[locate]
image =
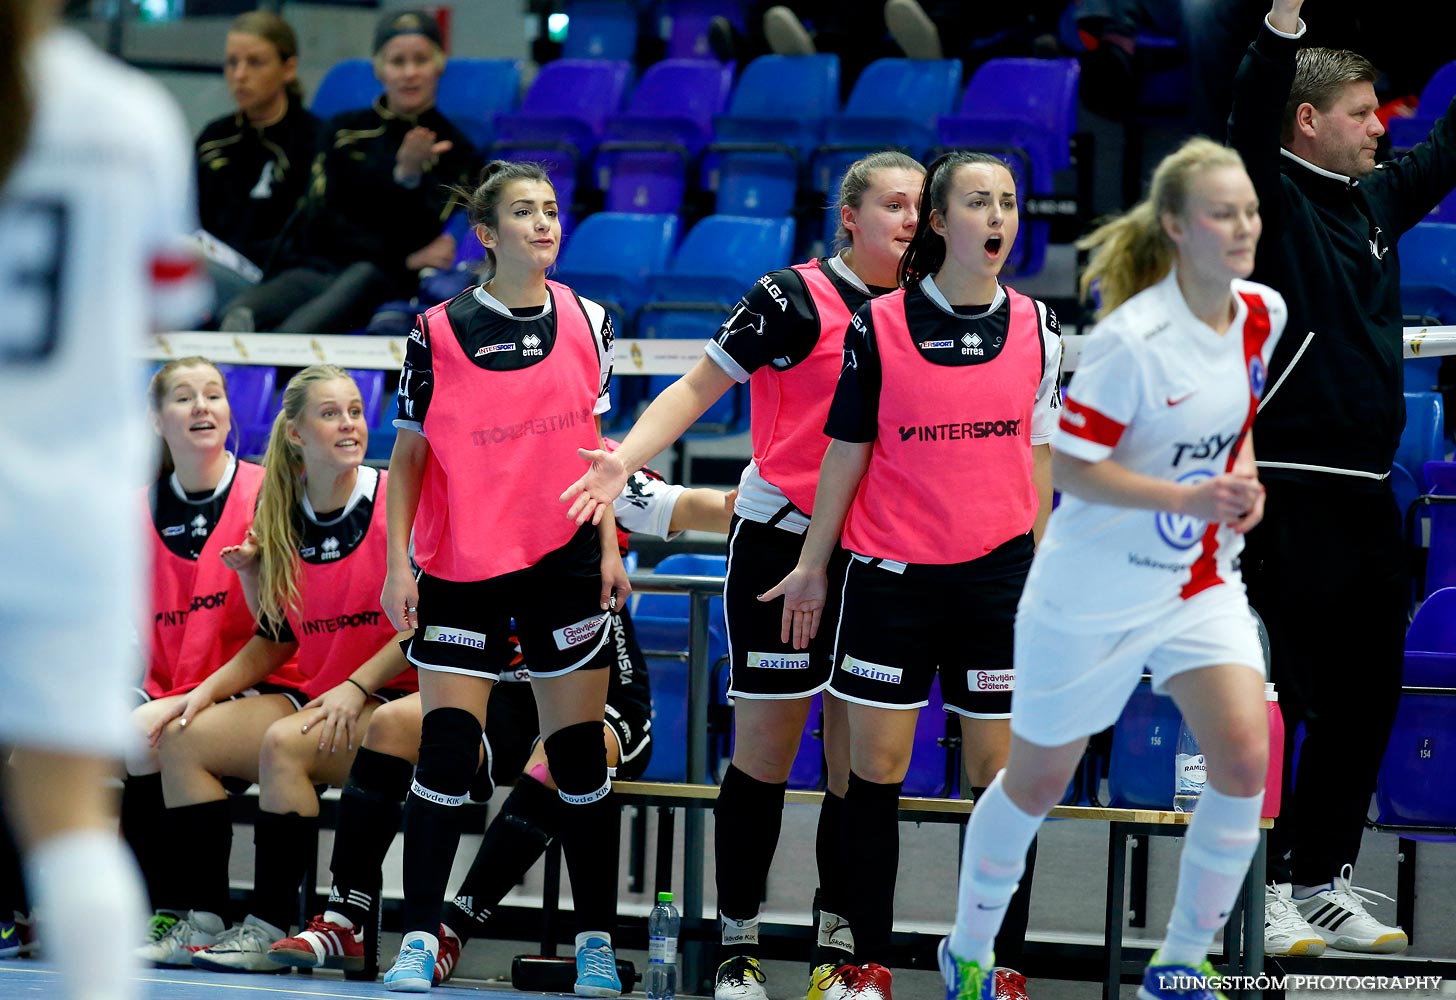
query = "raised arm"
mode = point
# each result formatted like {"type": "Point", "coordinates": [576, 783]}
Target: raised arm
{"type": "Point", "coordinates": [1261, 89]}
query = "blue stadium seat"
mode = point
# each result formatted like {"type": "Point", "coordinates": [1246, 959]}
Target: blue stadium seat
{"type": "Point", "coordinates": [349, 84]}
{"type": "Point", "coordinates": [562, 118]}
{"type": "Point", "coordinates": [685, 24]}
{"type": "Point", "coordinates": [1022, 109]}
{"type": "Point", "coordinates": [610, 255]}
{"type": "Point", "coordinates": [774, 123]}
{"type": "Point", "coordinates": [473, 91]}
{"type": "Point", "coordinates": [1435, 96]}
{"type": "Point", "coordinates": [599, 29]}
{"type": "Point", "coordinates": [1440, 478]}
{"type": "Point", "coordinates": [251, 392]}
{"type": "Point", "coordinates": [1428, 271]}
{"type": "Point", "coordinates": [644, 163]}
{"type": "Point", "coordinates": [1144, 748]}
{"type": "Point", "coordinates": [371, 391]}
{"type": "Point", "coordinates": [931, 763]}
{"type": "Point", "coordinates": [895, 103]}
{"type": "Point", "coordinates": [1416, 785]}
{"type": "Point", "coordinates": [383, 432]}
{"type": "Point", "coordinates": [1422, 441]}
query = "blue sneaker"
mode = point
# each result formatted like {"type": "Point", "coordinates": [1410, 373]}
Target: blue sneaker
{"type": "Point", "coordinates": [415, 966]}
{"type": "Point", "coordinates": [1169, 981]}
{"type": "Point", "coordinates": [596, 968]}
{"type": "Point", "coordinates": [964, 979]}
{"type": "Point", "coordinates": [9, 939]}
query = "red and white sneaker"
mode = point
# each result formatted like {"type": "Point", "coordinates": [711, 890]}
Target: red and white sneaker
{"type": "Point", "coordinates": [322, 944]}
{"type": "Point", "coordinates": [449, 955]}
{"type": "Point", "coordinates": [1010, 985]}
{"type": "Point", "coordinates": [872, 983]}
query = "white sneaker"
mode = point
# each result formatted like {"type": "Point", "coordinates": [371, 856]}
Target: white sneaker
{"type": "Point", "coordinates": [740, 978]}
{"type": "Point", "coordinates": [242, 948]}
{"type": "Point", "coordinates": [1339, 915]}
{"type": "Point", "coordinates": [1285, 931]}
{"type": "Point", "coordinates": [183, 939]}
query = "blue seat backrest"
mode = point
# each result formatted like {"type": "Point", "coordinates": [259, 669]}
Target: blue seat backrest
{"type": "Point", "coordinates": [371, 390]}
{"type": "Point", "coordinates": [250, 393]}
{"type": "Point", "coordinates": [1435, 96]}
{"type": "Point", "coordinates": [588, 90]}
{"type": "Point", "coordinates": [1039, 92]}
{"type": "Point", "coordinates": [1423, 439]}
{"type": "Point", "coordinates": [473, 91]}
{"type": "Point", "coordinates": [722, 255]}
{"type": "Point", "coordinates": [1144, 749]}
{"type": "Point", "coordinates": [383, 432]}
{"type": "Point", "coordinates": [610, 255]}
{"type": "Point", "coordinates": [675, 101]}
{"type": "Point", "coordinates": [898, 102]}
{"type": "Point", "coordinates": [1434, 627]}
{"type": "Point", "coordinates": [600, 29]}
{"type": "Point", "coordinates": [1428, 271]}
{"type": "Point", "coordinates": [685, 24]}
{"type": "Point", "coordinates": [783, 99]}
{"type": "Point", "coordinates": [347, 85]}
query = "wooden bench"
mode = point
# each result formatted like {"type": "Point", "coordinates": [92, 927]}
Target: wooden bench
{"type": "Point", "coordinates": [1243, 934]}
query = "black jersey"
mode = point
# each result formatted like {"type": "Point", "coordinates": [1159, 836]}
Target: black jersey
{"type": "Point", "coordinates": [329, 536]}
{"type": "Point", "coordinates": [948, 335]}
{"type": "Point", "coordinates": [495, 338]}
{"type": "Point", "coordinates": [776, 322]}
{"type": "Point", "coordinates": [184, 520]}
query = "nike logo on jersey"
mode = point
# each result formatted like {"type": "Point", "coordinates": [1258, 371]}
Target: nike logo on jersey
{"type": "Point", "coordinates": [7, 933]}
{"type": "Point", "coordinates": [1186, 395]}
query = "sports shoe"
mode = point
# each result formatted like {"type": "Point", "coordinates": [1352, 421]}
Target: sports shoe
{"type": "Point", "coordinates": [1010, 985]}
{"type": "Point", "coordinates": [242, 948]}
{"type": "Point", "coordinates": [1167, 981]}
{"type": "Point", "coordinates": [830, 982]}
{"type": "Point", "coordinates": [322, 944]}
{"type": "Point", "coordinates": [596, 968]}
{"type": "Point", "coordinates": [872, 983]}
{"type": "Point", "coordinates": [740, 978]}
{"type": "Point", "coordinates": [1338, 915]}
{"type": "Point", "coordinates": [913, 30]}
{"type": "Point", "coordinates": [183, 939]}
{"type": "Point", "coordinates": [415, 965]}
{"type": "Point", "coordinates": [449, 955]}
{"type": "Point", "coordinates": [160, 924]}
{"type": "Point", "coordinates": [1285, 931]}
{"type": "Point", "coordinates": [9, 939]}
{"type": "Point", "coordinates": [964, 979]}
{"type": "Point", "coordinates": [785, 33]}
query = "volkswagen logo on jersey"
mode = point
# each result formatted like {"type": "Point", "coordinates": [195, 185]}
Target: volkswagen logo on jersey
{"type": "Point", "coordinates": [1258, 375]}
{"type": "Point", "coordinates": [1179, 530]}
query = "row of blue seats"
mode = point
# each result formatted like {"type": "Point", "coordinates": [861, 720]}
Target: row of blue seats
{"type": "Point", "coordinates": [687, 125]}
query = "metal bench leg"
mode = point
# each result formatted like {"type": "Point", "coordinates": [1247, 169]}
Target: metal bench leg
{"type": "Point", "coordinates": [1137, 902]}
{"type": "Point", "coordinates": [1112, 935]}
{"type": "Point", "coordinates": [1405, 887]}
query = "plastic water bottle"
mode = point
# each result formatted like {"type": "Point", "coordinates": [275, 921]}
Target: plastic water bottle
{"type": "Point", "coordinates": [663, 924]}
{"type": "Point", "coordinates": [1190, 772]}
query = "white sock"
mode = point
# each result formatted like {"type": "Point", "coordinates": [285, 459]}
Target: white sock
{"type": "Point", "coordinates": [1216, 852]}
{"type": "Point", "coordinates": [431, 942]}
{"type": "Point", "coordinates": [740, 934]}
{"type": "Point", "coordinates": [335, 917]}
{"type": "Point", "coordinates": [87, 884]}
{"type": "Point", "coordinates": [991, 866]}
{"type": "Point", "coordinates": [585, 936]}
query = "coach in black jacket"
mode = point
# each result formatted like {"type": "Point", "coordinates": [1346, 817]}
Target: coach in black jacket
{"type": "Point", "coordinates": [1325, 569]}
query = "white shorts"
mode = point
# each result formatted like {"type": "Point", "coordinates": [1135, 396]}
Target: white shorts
{"type": "Point", "coordinates": [1071, 685]}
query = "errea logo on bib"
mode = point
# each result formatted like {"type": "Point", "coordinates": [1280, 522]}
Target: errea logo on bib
{"type": "Point", "coordinates": [991, 680]}
{"type": "Point", "coordinates": [582, 631]}
{"type": "Point", "coordinates": [871, 671]}
{"type": "Point", "coordinates": [454, 636]}
{"type": "Point", "coordinates": [779, 661]}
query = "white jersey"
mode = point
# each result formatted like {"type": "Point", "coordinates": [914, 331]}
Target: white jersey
{"type": "Point", "coordinates": [92, 224]}
{"type": "Point", "coordinates": [1159, 392]}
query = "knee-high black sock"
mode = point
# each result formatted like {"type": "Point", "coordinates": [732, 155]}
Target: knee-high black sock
{"type": "Point", "coordinates": [748, 817]}
{"type": "Point", "coordinates": [591, 823]}
{"type": "Point", "coordinates": [201, 841]}
{"type": "Point", "coordinates": [531, 818]}
{"type": "Point", "coordinates": [870, 837]}
{"type": "Point", "coordinates": [369, 817]}
{"type": "Point", "coordinates": [833, 943]}
{"type": "Point", "coordinates": [282, 848]}
{"type": "Point", "coordinates": [433, 819]}
{"type": "Point", "coordinates": [142, 812]}
{"type": "Point", "coordinates": [13, 899]}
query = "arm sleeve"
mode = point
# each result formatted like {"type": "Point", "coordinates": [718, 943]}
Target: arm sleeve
{"type": "Point", "coordinates": [645, 505]}
{"type": "Point", "coordinates": [1102, 399]}
{"type": "Point", "coordinates": [1416, 183]}
{"type": "Point", "coordinates": [416, 379]}
{"type": "Point", "coordinates": [854, 413]}
{"type": "Point", "coordinates": [180, 290]}
{"type": "Point", "coordinates": [601, 321]}
{"type": "Point", "coordinates": [1261, 89]}
{"type": "Point", "coordinates": [1048, 407]}
{"type": "Point", "coordinates": [759, 329]}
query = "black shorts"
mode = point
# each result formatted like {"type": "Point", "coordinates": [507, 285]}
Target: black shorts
{"type": "Point", "coordinates": [897, 628]}
{"type": "Point", "coordinates": [629, 701]}
{"type": "Point", "coordinates": [762, 665]}
{"type": "Point", "coordinates": [465, 628]}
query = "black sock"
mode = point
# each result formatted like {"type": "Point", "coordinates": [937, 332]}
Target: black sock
{"type": "Point", "coordinates": [431, 837]}
{"type": "Point", "coordinates": [13, 899]}
{"type": "Point", "coordinates": [531, 818]}
{"type": "Point", "coordinates": [590, 836]}
{"type": "Point", "coordinates": [201, 839]}
{"type": "Point", "coordinates": [870, 839]}
{"type": "Point", "coordinates": [369, 817]}
{"type": "Point", "coordinates": [827, 850]}
{"type": "Point", "coordinates": [748, 816]}
{"type": "Point", "coordinates": [282, 848]}
{"type": "Point", "coordinates": [142, 812]}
